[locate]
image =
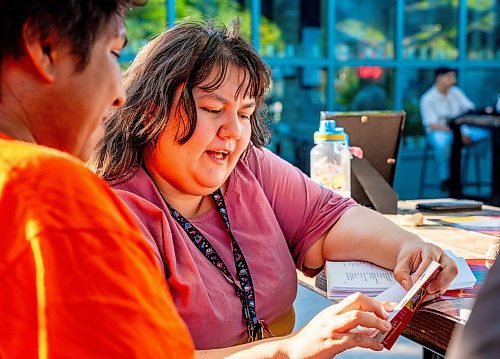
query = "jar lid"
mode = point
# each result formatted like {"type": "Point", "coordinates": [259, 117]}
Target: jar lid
{"type": "Point", "coordinates": [329, 132]}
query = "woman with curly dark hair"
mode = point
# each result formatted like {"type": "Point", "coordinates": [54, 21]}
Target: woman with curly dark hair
{"type": "Point", "coordinates": [230, 221]}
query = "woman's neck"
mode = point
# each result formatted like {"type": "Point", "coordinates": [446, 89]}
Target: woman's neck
{"type": "Point", "coordinates": [443, 89]}
{"type": "Point", "coordinates": [189, 205]}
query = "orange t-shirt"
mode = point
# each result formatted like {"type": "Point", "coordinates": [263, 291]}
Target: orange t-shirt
{"type": "Point", "coordinates": [76, 277]}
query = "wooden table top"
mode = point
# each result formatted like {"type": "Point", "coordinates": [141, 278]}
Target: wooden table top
{"type": "Point", "coordinates": [491, 120]}
{"type": "Point", "coordinates": [429, 329]}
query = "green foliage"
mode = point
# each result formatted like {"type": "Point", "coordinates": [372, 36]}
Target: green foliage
{"type": "Point", "coordinates": [346, 86]}
{"type": "Point", "coordinates": [270, 33]}
{"type": "Point", "coordinates": [362, 31]}
{"type": "Point", "coordinates": [144, 22]}
{"type": "Point", "coordinates": [222, 11]}
{"type": "Point", "coordinates": [226, 10]}
{"type": "Point", "coordinates": [147, 21]}
{"type": "Point", "coordinates": [413, 123]}
{"type": "Point", "coordinates": [481, 5]}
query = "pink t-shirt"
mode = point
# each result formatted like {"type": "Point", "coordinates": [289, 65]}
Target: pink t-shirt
{"type": "Point", "coordinates": [276, 214]}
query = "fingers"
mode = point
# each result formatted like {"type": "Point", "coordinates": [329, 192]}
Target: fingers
{"type": "Point", "coordinates": [403, 270]}
{"type": "Point", "coordinates": [362, 330]}
{"type": "Point", "coordinates": [347, 325]}
{"type": "Point", "coordinates": [448, 272]}
{"type": "Point", "coordinates": [425, 262]}
{"type": "Point", "coordinates": [429, 297]}
{"type": "Point", "coordinates": [417, 258]}
{"type": "Point", "coordinates": [354, 318]}
{"type": "Point", "coordinates": [445, 277]}
{"type": "Point", "coordinates": [346, 341]}
{"type": "Point", "coordinates": [361, 302]}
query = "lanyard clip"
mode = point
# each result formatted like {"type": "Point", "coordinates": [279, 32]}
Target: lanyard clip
{"type": "Point", "coordinates": [256, 332]}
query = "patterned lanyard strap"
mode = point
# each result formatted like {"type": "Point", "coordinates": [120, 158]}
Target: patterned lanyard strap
{"type": "Point", "coordinates": [245, 290]}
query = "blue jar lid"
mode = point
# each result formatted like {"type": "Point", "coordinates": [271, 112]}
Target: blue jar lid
{"type": "Point", "coordinates": [328, 132]}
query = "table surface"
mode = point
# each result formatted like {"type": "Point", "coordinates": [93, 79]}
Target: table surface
{"type": "Point", "coordinates": [429, 329]}
{"type": "Point", "coordinates": [492, 120]}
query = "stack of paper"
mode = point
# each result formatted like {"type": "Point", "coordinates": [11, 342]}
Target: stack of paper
{"type": "Point", "coordinates": [465, 278]}
{"type": "Point", "coordinates": [345, 278]}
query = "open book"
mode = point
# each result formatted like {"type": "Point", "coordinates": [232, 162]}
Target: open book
{"type": "Point", "coordinates": [345, 278]}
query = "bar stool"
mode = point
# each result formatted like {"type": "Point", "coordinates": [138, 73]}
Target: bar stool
{"type": "Point", "coordinates": [469, 152]}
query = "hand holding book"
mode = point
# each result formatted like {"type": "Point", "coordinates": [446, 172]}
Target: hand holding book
{"type": "Point", "coordinates": [344, 278]}
{"type": "Point", "coordinates": [414, 259]}
{"type": "Point", "coordinates": [363, 276]}
{"type": "Point", "coordinates": [407, 306]}
{"type": "Point", "coordinates": [335, 328]}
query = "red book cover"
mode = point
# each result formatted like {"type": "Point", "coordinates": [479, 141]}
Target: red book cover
{"type": "Point", "coordinates": [408, 306]}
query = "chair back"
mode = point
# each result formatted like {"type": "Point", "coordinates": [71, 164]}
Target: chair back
{"type": "Point", "coordinates": [378, 133]}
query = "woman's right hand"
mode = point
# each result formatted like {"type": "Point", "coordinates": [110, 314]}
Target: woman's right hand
{"type": "Point", "coordinates": [329, 333]}
{"type": "Point", "coordinates": [333, 330]}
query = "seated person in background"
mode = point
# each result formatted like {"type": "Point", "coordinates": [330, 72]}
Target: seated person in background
{"type": "Point", "coordinates": [442, 102]}
{"type": "Point", "coordinates": [371, 95]}
{"type": "Point", "coordinates": [480, 338]}
{"type": "Point", "coordinates": [232, 221]}
{"type": "Point", "coordinates": [77, 278]}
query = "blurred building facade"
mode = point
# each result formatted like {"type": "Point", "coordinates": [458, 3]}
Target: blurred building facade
{"type": "Point", "coordinates": [327, 54]}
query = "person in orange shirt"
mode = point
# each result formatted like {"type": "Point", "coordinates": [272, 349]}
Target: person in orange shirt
{"type": "Point", "coordinates": [77, 278]}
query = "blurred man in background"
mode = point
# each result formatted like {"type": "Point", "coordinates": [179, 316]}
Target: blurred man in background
{"type": "Point", "coordinates": [441, 103]}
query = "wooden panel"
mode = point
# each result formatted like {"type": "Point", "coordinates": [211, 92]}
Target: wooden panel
{"type": "Point", "coordinates": [378, 134]}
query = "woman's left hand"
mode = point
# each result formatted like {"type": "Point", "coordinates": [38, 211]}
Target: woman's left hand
{"type": "Point", "coordinates": [414, 258]}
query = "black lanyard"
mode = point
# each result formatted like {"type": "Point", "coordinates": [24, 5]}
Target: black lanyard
{"type": "Point", "coordinates": [245, 290]}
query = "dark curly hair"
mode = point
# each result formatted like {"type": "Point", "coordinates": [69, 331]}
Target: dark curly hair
{"type": "Point", "coordinates": [76, 21]}
{"type": "Point", "coordinates": [185, 54]}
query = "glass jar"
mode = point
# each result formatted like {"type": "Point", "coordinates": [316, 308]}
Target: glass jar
{"type": "Point", "coordinates": [331, 159]}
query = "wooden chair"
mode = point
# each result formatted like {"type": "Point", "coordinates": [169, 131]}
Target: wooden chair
{"type": "Point", "coordinates": [379, 135]}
